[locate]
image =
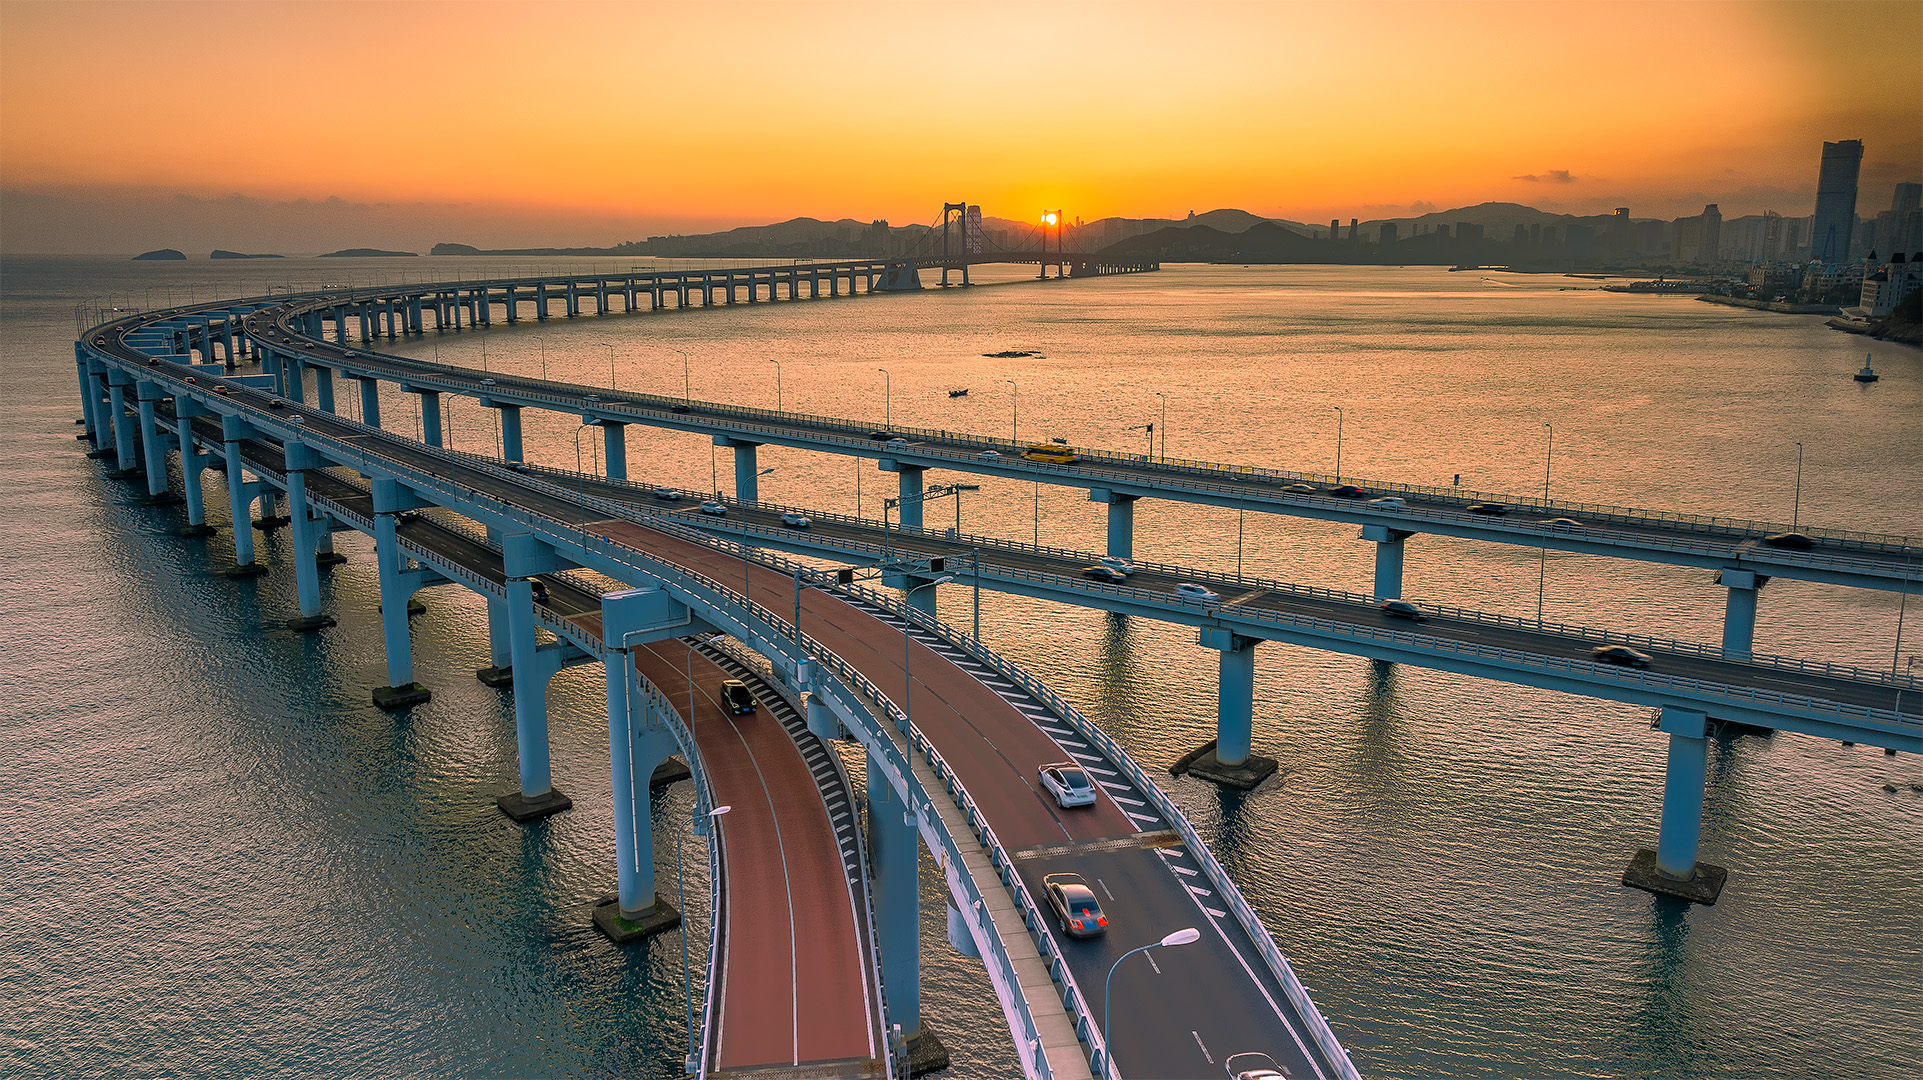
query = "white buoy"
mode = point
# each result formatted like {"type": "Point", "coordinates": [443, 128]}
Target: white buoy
{"type": "Point", "coordinates": [1868, 374]}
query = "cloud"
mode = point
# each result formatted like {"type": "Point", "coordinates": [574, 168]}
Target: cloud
{"type": "Point", "coordinates": [1553, 176]}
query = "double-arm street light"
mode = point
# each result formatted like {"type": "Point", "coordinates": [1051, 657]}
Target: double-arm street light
{"type": "Point", "coordinates": [1015, 416]}
{"type": "Point", "coordinates": [777, 365]}
{"type": "Point", "coordinates": [1338, 444]}
{"type": "Point", "coordinates": [610, 350]}
{"type": "Point", "coordinates": [888, 398]}
{"type": "Point", "coordinates": [681, 894]}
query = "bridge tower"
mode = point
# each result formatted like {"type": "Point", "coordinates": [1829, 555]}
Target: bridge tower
{"type": "Point", "coordinates": [967, 235]}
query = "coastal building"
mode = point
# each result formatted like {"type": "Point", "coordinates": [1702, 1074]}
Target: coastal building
{"type": "Point", "coordinates": [1891, 284]}
{"type": "Point", "coordinates": [1699, 239]}
{"type": "Point", "coordinates": [1387, 237]}
{"type": "Point", "coordinates": [1836, 201]}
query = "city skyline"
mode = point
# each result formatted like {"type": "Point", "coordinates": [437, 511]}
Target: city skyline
{"type": "Point", "coordinates": [689, 121]}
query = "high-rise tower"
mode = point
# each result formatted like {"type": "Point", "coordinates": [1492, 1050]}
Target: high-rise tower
{"type": "Point", "coordinates": [1836, 201]}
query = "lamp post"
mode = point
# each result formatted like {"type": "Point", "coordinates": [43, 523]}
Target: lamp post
{"type": "Point", "coordinates": [1187, 936]}
{"type": "Point", "coordinates": [687, 380]}
{"type": "Point", "coordinates": [1015, 417]}
{"type": "Point", "coordinates": [580, 476]}
{"type": "Point", "coordinates": [1542, 553]}
{"type": "Point", "coordinates": [610, 350]}
{"type": "Point", "coordinates": [544, 356]}
{"type": "Point", "coordinates": [1164, 398]}
{"type": "Point", "coordinates": [681, 895]}
{"type": "Point", "coordinates": [777, 365]}
{"type": "Point", "coordinates": [907, 684]}
{"type": "Point", "coordinates": [887, 398]}
{"type": "Point", "coordinates": [1796, 507]}
{"type": "Point", "coordinates": [1338, 444]}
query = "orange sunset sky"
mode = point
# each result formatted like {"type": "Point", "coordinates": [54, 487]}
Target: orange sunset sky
{"type": "Point", "coordinates": [298, 126]}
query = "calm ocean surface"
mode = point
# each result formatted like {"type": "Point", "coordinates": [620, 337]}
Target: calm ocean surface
{"type": "Point", "coordinates": [221, 860]}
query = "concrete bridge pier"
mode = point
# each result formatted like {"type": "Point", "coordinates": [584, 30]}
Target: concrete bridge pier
{"type": "Point", "coordinates": [747, 486]}
{"type": "Point", "coordinates": [1739, 616]}
{"type": "Point", "coordinates": [510, 429]}
{"type": "Point", "coordinates": [909, 489]}
{"type": "Point", "coordinates": [293, 385]}
{"type": "Point", "coordinates": [154, 446]}
{"type": "Point", "coordinates": [1388, 560]}
{"type": "Point", "coordinates": [398, 585]}
{"type": "Point", "coordinates": [893, 855]}
{"type": "Point", "coordinates": [1226, 759]}
{"type": "Point", "coordinates": [533, 665]}
{"type": "Point", "coordinates": [324, 388]}
{"type": "Point", "coordinates": [500, 654]}
{"type": "Point", "coordinates": [430, 417]}
{"type": "Point", "coordinates": [637, 910]}
{"type": "Point", "coordinates": [1121, 520]}
{"type": "Point", "coordinates": [371, 402]}
{"type": "Point", "coordinates": [614, 449]}
{"type": "Point", "coordinates": [123, 424]}
{"type": "Point", "coordinates": [87, 399]}
{"type": "Point", "coordinates": [240, 498]}
{"type": "Point", "coordinates": [307, 531]}
{"type": "Point", "coordinates": [1672, 869]}
{"type": "Point", "coordinates": [191, 462]}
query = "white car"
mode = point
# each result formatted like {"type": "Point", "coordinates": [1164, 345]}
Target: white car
{"type": "Point", "coordinates": [1120, 566]}
{"type": "Point", "coordinates": [1253, 1066]}
{"type": "Point", "coordinates": [795, 521]}
{"type": "Point", "coordinates": [990, 455]}
{"type": "Point", "coordinates": [896, 444]}
{"type": "Point", "coordinates": [667, 494]}
{"type": "Point", "coordinates": [715, 508]}
{"type": "Point", "coordinates": [1388, 503]}
{"type": "Point", "coordinates": [1069, 783]}
{"type": "Point", "coordinates": [1191, 591]}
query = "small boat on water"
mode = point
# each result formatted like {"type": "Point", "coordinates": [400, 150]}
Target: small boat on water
{"type": "Point", "coordinates": [958, 393]}
{"type": "Point", "coordinates": [1868, 374]}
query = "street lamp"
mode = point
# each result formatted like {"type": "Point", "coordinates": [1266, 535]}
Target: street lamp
{"type": "Point", "coordinates": [610, 350]}
{"type": "Point", "coordinates": [687, 381]}
{"type": "Point", "coordinates": [1186, 936]}
{"type": "Point", "coordinates": [1796, 507]}
{"type": "Point", "coordinates": [777, 365]}
{"type": "Point", "coordinates": [1015, 416]}
{"type": "Point", "coordinates": [544, 356]}
{"type": "Point", "coordinates": [1338, 444]}
{"type": "Point", "coordinates": [681, 895]}
{"type": "Point", "coordinates": [907, 684]}
{"type": "Point", "coordinates": [887, 398]}
{"type": "Point", "coordinates": [1542, 557]}
{"type": "Point", "coordinates": [580, 476]}
{"type": "Point", "coordinates": [1164, 398]}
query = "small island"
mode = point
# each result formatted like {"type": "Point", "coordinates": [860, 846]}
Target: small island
{"type": "Point", "coordinates": [368, 253]}
{"type": "Point", "coordinates": [162, 255]}
{"type": "Point", "coordinates": [219, 254]}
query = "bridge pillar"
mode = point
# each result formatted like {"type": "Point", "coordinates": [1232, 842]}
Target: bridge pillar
{"type": "Point", "coordinates": [123, 424]}
{"type": "Point", "coordinates": [894, 857]}
{"type": "Point", "coordinates": [532, 666]}
{"type": "Point", "coordinates": [510, 432]}
{"type": "Point", "coordinates": [154, 447]}
{"type": "Point", "coordinates": [638, 911]}
{"type": "Point", "coordinates": [293, 386]}
{"type": "Point", "coordinates": [1121, 520]}
{"type": "Point", "coordinates": [324, 388]}
{"type": "Point", "coordinates": [86, 393]}
{"type": "Point", "coordinates": [614, 449]}
{"type": "Point", "coordinates": [300, 458]}
{"type": "Point", "coordinates": [418, 324]}
{"type": "Point", "coordinates": [909, 488]}
{"type": "Point", "coordinates": [747, 486]}
{"type": "Point", "coordinates": [1388, 560]}
{"type": "Point", "coordinates": [397, 591]}
{"type": "Point", "coordinates": [234, 430]}
{"type": "Point", "coordinates": [1227, 760]}
{"type": "Point", "coordinates": [371, 402]}
{"type": "Point", "coordinates": [1739, 616]}
{"type": "Point", "coordinates": [1672, 869]}
{"type": "Point", "coordinates": [91, 391]}
{"type": "Point", "coordinates": [191, 462]}
{"type": "Point", "coordinates": [430, 417]}
{"type": "Point", "coordinates": [513, 306]}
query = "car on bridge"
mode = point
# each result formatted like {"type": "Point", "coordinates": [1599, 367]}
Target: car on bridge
{"type": "Point", "coordinates": [680, 408]}
{"type": "Point", "coordinates": [1253, 1066]}
{"type": "Point", "coordinates": [1389, 502]}
{"type": "Point", "coordinates": [714, 508]}
{"type": "Point", "coordinates": [1488, 509]}
{"type": "Point", "coordinates": [736, 698]}
{"type": "Point", "coordinates": [1188, 590]}
{"type": "Point", "coordinates": [1077, 911]}
{"type": "Point", "coordinates": [1347, 491]}
{"type": "Point", "coordinates": [667, 494]}
{"type": "Point", "coordinates": [990, 455]}
{"type": "Point", "coordinates": [795, 521]}
{"type": "Point", "coordinates": [1622, 655]}
{"type": "Point", "coordinates": [1561, 523]}
{"type": "Point", "coordinates": [1104, 574]}
{"type": "Point", "coordinates": [1401, 609]}
{"type": "Point", "coordinates": [1069, 783]}
{"type": "Point", "coordinates": [1301, 489]}
{"type": "Point", "coordinates": [1794, 540]}
{"type": "Point", "coordinates": [1118, 564]}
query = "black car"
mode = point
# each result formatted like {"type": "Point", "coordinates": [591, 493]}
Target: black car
{"type": "Point", "coordinates": [1401, 609]}
{"type": "Point", "coordinates": [679, 408]}
{"type": "Point", "coordinates": [277, 403]}
{"type": "Point", "coordinates": [1105, 574]}
{"type": "Point", "coordinates": [1347, 491]}
{"type": "Point", "coordinates": [1077, 911]}
{"type": "Point", "coordinates": [539, 590]}
{"type": "Point", "coordinates": [100, 341]}
{"type": "Point", "coordinates": [735, 697]}
{"type": "Point", "coordinates": [1620, 654]}
{"type": "Point", "coordinates": [1491, 509]}
{"type": "Point", "coordinates": [1794, 540]}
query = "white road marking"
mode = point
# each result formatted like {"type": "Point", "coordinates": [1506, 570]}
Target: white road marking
{"type": "Point", "coordinates": [1152, 963]}
{"type": "Point", "coordinates": [1204, 1046]}
{"type": "Point", "coordinates": [1104, 885]}
{"type": "Point", "coordinates": [1195, 891]}
{"type": "Point", "coordinates": [1184, 870]}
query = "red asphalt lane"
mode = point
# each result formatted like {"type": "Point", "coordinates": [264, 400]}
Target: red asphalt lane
{"type": "Point", "coordinates": [993, 748]}
{"type": "Point", "coordinates": [793, 986]}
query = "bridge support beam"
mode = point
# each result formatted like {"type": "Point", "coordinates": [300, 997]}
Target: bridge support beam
{"type": "Point", "coordinates": [1388, 560]}
{"type": "Point", "coordinates": [191, 462]}
{"type": "Point", "coordinates": [123, 425]}
{"type": "Point", "coordinates": [499, 653]}
{"type": "Point", "coordinates": [240, 499]}
{"type": "Point", "coordinates": [430, 417]}
{"type": "Point", "coordinates": [747, 487]}
{"type": "Point", "coordinates": [909, 489]}
{"type": "Point", "coordinates": [324, 388]}
{"type": "Point", "coordinates": [371, 402]}
{"type": "Point", "coordinates": [510, 431]}
{"type": "Point", "coordinates": [1226, 760]}
{"type": "Point", "coordinates": [614, 449]}
{"type": "Point", "coordinates": [894, 857]}
{"type": "Point", "coordinates": [307, 531]}
{"type": "Point", "coordinates": [1121, 517]}
{"type": "Point", "coordinates": [154, 448]}
{"type": "Point", "coordinates": [636, 911]}
{"type": "Point", "coordinates": [1672, 869]}
{"type": "Point", "coordinates": [1739, 617]}
{"type": "Point", "coordinates": [538, 797]}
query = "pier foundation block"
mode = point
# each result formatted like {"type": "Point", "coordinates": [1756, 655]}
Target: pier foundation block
{"type": "Point", "coordinates": [1702, 886]}
{"type": "Point", "coordinates": [635, 925]}
{"type": "Point", "coordinates": [1202, 764]}
{"type": "Point", "coordinates": [402, 697]}
{"type": "Point", "coordinates": [523, 809]}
